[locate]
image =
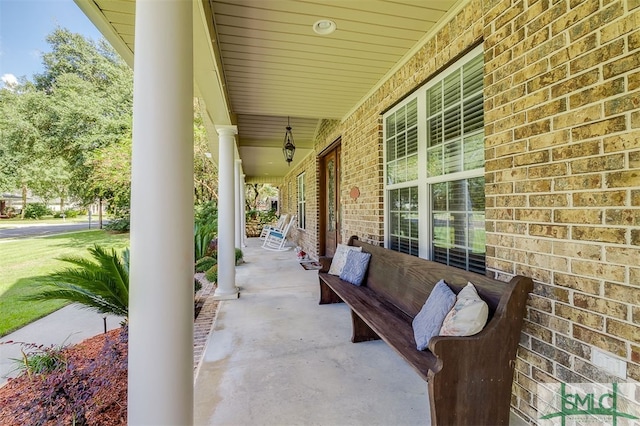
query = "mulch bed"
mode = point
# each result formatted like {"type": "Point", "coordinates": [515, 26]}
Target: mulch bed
{"type": "Point", "coordinates": [92, 390]}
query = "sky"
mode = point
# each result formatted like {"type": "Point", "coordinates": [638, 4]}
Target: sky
{"type": "Point", "coordinates": [24, 26]}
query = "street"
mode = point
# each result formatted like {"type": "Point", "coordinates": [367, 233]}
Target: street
{"type": "Point", "coordinates": [44, 229]}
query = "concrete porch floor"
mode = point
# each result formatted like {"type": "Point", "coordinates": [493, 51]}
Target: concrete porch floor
{"type": "Point", "coordinates": [276, 357]}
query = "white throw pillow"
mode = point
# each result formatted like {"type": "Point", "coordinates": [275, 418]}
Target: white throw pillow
{"type": "Point", "coordinates": [468, 316]}
{"type": "Point", "coordinates": [340, 258]}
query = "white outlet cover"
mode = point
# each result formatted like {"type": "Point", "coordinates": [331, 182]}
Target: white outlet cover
{"type": "Point", "coordinates": [611, 364]}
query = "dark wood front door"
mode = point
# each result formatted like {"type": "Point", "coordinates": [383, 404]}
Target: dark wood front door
{"type": "Point", "coordinates": [330, 218]}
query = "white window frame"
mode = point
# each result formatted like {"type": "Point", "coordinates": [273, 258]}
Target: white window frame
{"type": "Point", "coordinates": [423, 182]}
{"type": "Point", "coordinates": [302, 202]}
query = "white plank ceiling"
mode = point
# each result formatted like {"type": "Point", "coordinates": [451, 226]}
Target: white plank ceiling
{"type": "Point", "coordinates": [274, 65]}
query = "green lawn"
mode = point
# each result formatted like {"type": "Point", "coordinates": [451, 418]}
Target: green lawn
{"type": "Point", "coordinates": [24, 262]}
{"type": "Point", "coordinates": [445, 237]}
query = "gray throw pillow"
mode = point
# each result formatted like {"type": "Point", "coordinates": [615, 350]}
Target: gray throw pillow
{"type": "Point", "coordinates": [430, 318]}
{"type": "Point", "coordinates": [355, 267]}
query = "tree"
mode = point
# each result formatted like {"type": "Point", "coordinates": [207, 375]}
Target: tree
{"type": "Point", "coordinates": [53, 131]}
{"type": "Point", "coordinates": [54, 181]}
{"type": "Point", "coordinates": [90, 93]}
{"type": "Point", "coordinates": [257, 193]}
{"type": "Point", "coordinates": [68, 134]}
{"type": "Point", "coordinates": [23, 154]}
{"type": "Point", "coordinates": [95, 63]}
{"type": "Point", "coordinates": [205, 172]}
{"type": "Point", "coordinates": [110, 177]}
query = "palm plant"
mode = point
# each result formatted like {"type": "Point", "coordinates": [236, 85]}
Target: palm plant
{"type": "Point", "coordinates": [101, 284]}
{"type": "Point", "coordinates": [205, 227]}
{"type": "Point", "coordinates": [203, 234]}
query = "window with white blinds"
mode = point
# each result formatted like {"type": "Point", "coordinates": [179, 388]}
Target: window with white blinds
{"type": "Point", "coordinates": [402, 144]}
{"type": "Point", "coordinates": [457, 219]}
{"type": "Point", "coordinates": [403, 220]}
{"type": "Point", "coordinates": [455, 121]}
{"type": "Point", "coordinates": [434, 168]}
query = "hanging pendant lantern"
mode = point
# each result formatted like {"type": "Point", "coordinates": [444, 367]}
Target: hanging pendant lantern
{"type": "Point", "coordinates": [288, 147]}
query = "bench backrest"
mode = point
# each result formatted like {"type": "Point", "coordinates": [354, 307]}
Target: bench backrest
{"type": "Point", "coordinates": [406, 281]}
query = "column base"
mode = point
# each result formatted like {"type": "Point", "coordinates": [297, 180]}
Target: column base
{"type": "Point", "coordinates": [222, 295]}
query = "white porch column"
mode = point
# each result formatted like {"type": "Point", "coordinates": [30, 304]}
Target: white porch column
{"type": "Point", "coordinates": [239, 206]}
{"type": "Point", "coordinates": [226, 215]}
{"type": "Point", "coordinates": [243, 203]}
{"type": "Point", "coordinates": [161, 271]}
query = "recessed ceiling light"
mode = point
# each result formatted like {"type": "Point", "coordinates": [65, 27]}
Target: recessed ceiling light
{"type": "Point", "coordinates": [324, 27]}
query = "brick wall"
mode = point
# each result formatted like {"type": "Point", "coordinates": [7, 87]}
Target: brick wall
{"type": "Point", "coordinates": [305, 238]}
{"type": "Point", "coordinates": [561, 94]}
{"type": "Point", "coordinates": [562, 127]}
{"type": "Point", "coordinates": [308, 239]}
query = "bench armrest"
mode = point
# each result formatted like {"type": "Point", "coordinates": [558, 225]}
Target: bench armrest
{"type": "Point", "coordinates": [505, 324]}
{"type": "Point", "coordinates": [325, 262]}
{"type": "Point", "coordinates": [484, 362]}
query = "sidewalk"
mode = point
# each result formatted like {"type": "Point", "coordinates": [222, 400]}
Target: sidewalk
{"type": "Point", "coordinates": [68, 325]}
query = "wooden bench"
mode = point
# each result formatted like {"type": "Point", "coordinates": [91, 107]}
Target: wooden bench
{"type": "Point", "coordinates": [469, 378]}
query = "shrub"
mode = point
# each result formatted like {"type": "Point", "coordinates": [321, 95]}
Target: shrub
{"type": "Point", "coordinates": [212, 251]}
{"type": "Point", "coordinates": [212, 248]}
{"type": "Point", "coordinates": [269, 216]}
{"type": "Point", "coordinates": [36, 211]}
{"type": "Point", "coordinates": [10, 212]}
{"type": "Point", "coordinates": [207, 213]}
{"type": "Point", "coordinates": [40, 359]}
{"type": "Point", "coordinates": [205, 263]}
{"type": "Point", "coordinates": [251, 214]}
{"type": "Point", "coordinates": [71, 213]}
{"type": "Point", "coordinates": [120, 224]}
{"type": "Point", "coordinates": [197, 285]}
{"type": "Point", "coordinates": [212, 274]}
